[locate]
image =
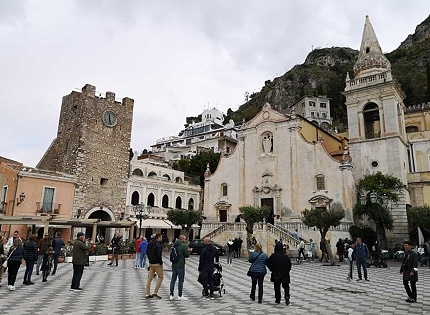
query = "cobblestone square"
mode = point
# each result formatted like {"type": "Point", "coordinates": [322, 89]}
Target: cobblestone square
{"type": "Point", "coordinates": [315, 289]}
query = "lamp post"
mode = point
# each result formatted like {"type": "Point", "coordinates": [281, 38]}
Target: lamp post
{"type": "Point", "coordinates": [142, 213]}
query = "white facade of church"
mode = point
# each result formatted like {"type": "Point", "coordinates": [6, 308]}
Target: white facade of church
{"type": "Point", "coordinates": [274, 165]}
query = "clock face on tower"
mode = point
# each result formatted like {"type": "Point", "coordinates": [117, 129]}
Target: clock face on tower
{"type": "Point", "coordinates": [109, 118]}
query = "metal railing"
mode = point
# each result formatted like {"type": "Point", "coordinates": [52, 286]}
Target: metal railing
{"type": "Point", "coordinates": [48, 207]}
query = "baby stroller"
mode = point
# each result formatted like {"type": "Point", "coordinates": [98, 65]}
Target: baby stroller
{"type": "Point", "coordinates": [424, 260]}
{"type": "Point", "coordinates": [217, 280]}
{"type": "Point", "coordinates": [377, 260]}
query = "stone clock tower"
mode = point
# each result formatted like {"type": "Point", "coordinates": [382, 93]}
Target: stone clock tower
{"type": "Point", "coordinates": [377, 135]}
{"type": "Point", "coordinates": [93, 143]}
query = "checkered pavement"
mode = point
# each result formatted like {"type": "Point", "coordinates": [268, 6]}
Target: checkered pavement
{"type": "Point", "coordinates": [315, 289]}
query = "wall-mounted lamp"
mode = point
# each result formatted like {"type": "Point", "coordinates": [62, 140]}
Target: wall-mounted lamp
{"type": "Point", "coordinates": [78, 214]}
{"type": "Point", "coordinates": [121, 216]}
{"type": "Point", "coordinates": [20, 199]}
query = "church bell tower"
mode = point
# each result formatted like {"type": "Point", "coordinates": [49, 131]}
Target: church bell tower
{"type": "Point", "coordinates": [376, 123]}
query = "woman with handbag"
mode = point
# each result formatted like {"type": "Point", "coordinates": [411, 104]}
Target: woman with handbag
{"type": "Point", "coordinates": [280, 265]}
{"type": "Point", "coordinates": [257, 271]}
{"type": "Point", "coordinates": [14, 259]}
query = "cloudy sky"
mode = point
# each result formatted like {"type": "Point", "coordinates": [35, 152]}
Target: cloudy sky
{"type": "Point", "coordinates": [174, 58]}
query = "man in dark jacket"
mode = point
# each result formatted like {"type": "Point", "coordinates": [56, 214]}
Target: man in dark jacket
{"type": "Point", "coordinates": [409, 270]}
{"type": "Point", "coordinates": [44, 244]}
{"type": "Point", "coordinates": [361, 254]}
{"type": "Point", "coordinates": [79, 258]}
{"type": "Point", "coordinates": [154, 252]}
{"type": "Point", "coordinates": [340, 247]}
{"type": "Point", "coordinates": [57, 244]}
{"type": "Point", "coordinates": [207, 265]}
{"type": "Point", "coordinates": [30, 256]}
{"type": "Point", "coordinates": [280, 265]}
{"type": "Point", "coordinates": [178, 268]}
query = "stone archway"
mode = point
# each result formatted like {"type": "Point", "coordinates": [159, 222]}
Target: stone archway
{"type": "Point", "coordinates": [104, 214]}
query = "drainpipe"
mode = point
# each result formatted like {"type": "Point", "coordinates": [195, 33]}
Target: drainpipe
{"type": "Point", "coordinates": [14, 199]}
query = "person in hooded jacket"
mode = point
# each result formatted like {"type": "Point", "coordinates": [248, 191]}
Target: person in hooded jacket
{"type": "Point", "coordinates": [178, 268]}
{"type": "Point", "coordinates": [258, 271]}
{"type": "Point", "coordinates": [280, 266]}
{"type": "Point", "coordinates": [206, 266]}
{"type": "Point", "coordinates": [30, 257]}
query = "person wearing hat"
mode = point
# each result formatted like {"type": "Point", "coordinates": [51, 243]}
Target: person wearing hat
{"type": "Point", "coordinates": [44, 244]}
{"type": "Point", "coordinates": [79, 258]}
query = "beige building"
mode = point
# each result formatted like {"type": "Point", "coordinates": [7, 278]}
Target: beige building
{"type": "Point", "coordinates": [158, 188]}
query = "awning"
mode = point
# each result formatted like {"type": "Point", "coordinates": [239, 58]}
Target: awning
{"type": "Point", "coordinates": [152, 223]}
{"type": "Point", "coordinates": [173, 226]}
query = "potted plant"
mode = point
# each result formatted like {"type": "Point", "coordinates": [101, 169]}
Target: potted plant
{"type": "Point", "coordinates": [100, 252]}
{"type": "Point", "coordinates": [66, 252]}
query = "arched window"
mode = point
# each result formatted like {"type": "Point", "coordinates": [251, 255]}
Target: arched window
{"type": "Point", "coordinates": [152, 175]}
{"type": "Point", "coordinates": [372, 125]}
{"type": "Point", "coordinates": [178, 204]}
{"type": "Point", "coordinates": [165, 201]}
{"type": "Point", "coordinates": [151, 200]}
{"type": "Point", "coordinates": [320, 181]}
{"type": "Point", "coordinates": [166, 176]}
{"type": "Point", "coordinates": [191, 204]}
{"type": "Point", "coordinates": [137, 172]}
{"type": "Point", "coordinates": [178, 179]}
{"type": "Point", "coordinates": [135, 198]}
{"type": "Point", "coordinates": [224, 190]}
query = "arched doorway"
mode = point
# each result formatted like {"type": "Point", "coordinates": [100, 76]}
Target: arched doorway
{"type": "Point", "coordinates": [135, 198]}
{"type": "Point", "coordinates": [101, 231]}
{"type": "Point", "coordinates": [178, 203]}
{"type": "Point", "coordinates": [151, 200]}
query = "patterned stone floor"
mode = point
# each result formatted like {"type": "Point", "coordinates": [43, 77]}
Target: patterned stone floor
{"type": "Point", "coordinates": [315, 289]}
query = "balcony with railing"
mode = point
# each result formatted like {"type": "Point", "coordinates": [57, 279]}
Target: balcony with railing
{"type": "Point", "coordinates": [48, 208]}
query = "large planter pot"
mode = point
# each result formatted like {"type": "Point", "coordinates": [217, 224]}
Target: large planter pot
{"type": "Point", "coordinates": [133, 256]}
{"type": "Point", "coordinates": [68, 259]}
{"type": "Point", "coordinates": [101, 257]}
{"type": "Point", "coordinates": [110, 256]}
{"type": "Point", "coordinates": [125, 256]}
{"type": "Point", "coordinates": [60, 259]}
{"type": "Point", "coordinates": [92, 258]}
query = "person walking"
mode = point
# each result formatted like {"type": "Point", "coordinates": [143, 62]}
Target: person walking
{"type": "Point", "coordinates": [14, 262]}
{"type": "Point", "coordinates": [57, 244]}
{"type": "Point", "coordinates": [257, 271]}
{"type": "Point", "coordinates": [155, 250]}
{"type": "Point", "coordinates": [2, 256]}
{"type": "Point", "coordinates": [44, 244]}
{"type": "Point", "coordinates": [206, 267]}
{"type": "Point", "coordinates": [351, 259]}
{"type": "Point", "coordinates": [340, 247]}
{"type": "Point", "coordinates": [230, 252]}
{"type": "Point", "coordinates": [302, 249]}
{"type": "Point", "coordinates": [312, 249]}
{"type": "Point", "coordinates": [138, 261]}
{"type": "Point", "coordinates": [239, 246]}
{"type": "Point", "coordinates": [79, 258]}
{"type": "Point", "coordinates": [143, 247]}
{"type": "Point", "coordinates": [47, 263]}
{"type": "Point", "coordinates": [116, 248]}
{"type": "Point", "coordinates": [280, 266]}
{"type": "Point", "coordinates": [409, 270]}
{"type": "Point", "coordinates": [30, 257]}
{"type": "Point", "coordinates": [361, 254]}
{"type": "Point", "coordinates": [178, 268]}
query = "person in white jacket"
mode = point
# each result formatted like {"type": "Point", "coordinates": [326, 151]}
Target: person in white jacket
{"type": "Point", "coordinates": [351, 259]}
{"type": "Point", "coordinates": [10, 241]}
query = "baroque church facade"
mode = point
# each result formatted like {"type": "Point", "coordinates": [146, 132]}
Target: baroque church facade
{"type": "Point", "coordinates": [277, 165]}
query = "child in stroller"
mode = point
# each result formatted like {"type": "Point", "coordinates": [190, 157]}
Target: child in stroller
{"type": "Point", "coordinates": [217, 280]}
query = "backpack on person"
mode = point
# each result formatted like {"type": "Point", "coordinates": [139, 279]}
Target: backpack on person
{"type": "Point", "coordinates": [174, 255]}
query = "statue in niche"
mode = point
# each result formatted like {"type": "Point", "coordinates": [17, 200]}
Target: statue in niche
{"type": "Point", "coordinates": [267, 143]}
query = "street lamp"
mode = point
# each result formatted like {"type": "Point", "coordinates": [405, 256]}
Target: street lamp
{"type": "Point", "coordinates": [142, 213]}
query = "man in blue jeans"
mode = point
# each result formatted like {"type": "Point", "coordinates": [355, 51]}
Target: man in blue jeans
{"type": "Point", "coordinates": [361, 254]}
{"type": "Point", "coordinates": [178, 268]}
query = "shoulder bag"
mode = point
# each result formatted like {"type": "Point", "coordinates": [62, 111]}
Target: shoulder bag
{"type": "Point", "coordinates": [5, 262]}
{"type": "Point", "coordinates": [249, 271]}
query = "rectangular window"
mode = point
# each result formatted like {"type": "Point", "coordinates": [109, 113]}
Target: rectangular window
{"type": "Point", "coordinates": [311, 103]}
{"type": "Point", "coordinates": [323, 105]}
{"type": "Point", "coordinates": [3, 199]}
{"type": "Point", "coordinates": [324, 115]}
{"type": "Point", "coordinates": [48, 199]}
{"type": "Point", "coordinates": [320, 183]}
{"type": "Point", "coordinates": [103, 181]}
{"type": "Point", "coordinates": [312, 114]}
{"type": "Point", "coordinates": [303, 105]}
{"type": "Point", "coordinates": [224, 190]}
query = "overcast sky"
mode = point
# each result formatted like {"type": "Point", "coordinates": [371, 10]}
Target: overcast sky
{"type": "Point", "coordinates": [174, 58]}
